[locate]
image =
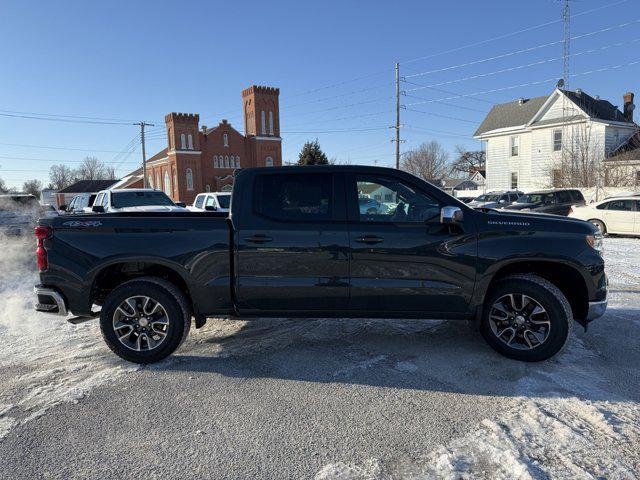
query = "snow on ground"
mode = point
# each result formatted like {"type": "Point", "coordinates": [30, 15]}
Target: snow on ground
{"type": "Point", "coordinates": [44, 360]}
{"type": "Point", "coordinates": [576, 416]}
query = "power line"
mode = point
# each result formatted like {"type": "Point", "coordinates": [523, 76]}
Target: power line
{"type": "Point", "coordinates": [524, 50]}
{"type": "Point", "coordinates": [444, 116]}
{"type": "Point", "coordinates": [507, 35]}
{"type": "Point", "coordinates": [31, 159]}
{"type": "Point", "coordinates": [59, 148]}
{"type": "Point", "coordinates": [553, 79]}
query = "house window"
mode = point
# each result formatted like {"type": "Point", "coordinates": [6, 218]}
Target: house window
{"type": "Point", "coordinates": [515, 146]}
{"type": "Point", "coordinates": [268, 162]}
{"type": "Point", "coordinates": [167, 183]}
{"type": "Point", "coordinates": [237, 161]}
{"type": "Point", "coordinates": [225, 139]}
{"type": "Point", "coordinates": [637, 177]}
{"type": "Point", "coordinates": [388, 197]}
{"type": "Point", "coordinates": [514, 180]}
{"type": "Point", "coordinates": [189, 175]}
{"type": "Point", "coordinates": [183, 141]}
{"type": "Point", "coordinates": [557, 140]}
{"type": "Point", "coordinates": [215, 161]}
{"type": "Point", "coordinates": [270, 123]}
{"type": "Point", "coordinates": [190, 142]}
{"type": "Point", "coordinates": [264, 123]}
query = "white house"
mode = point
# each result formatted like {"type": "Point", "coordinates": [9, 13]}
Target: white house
{"type": "Point", "coordinates": [525, 139]}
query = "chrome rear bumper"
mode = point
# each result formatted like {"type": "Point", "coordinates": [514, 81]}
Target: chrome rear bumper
{"type": "Point", "coordinates": [50, 301]}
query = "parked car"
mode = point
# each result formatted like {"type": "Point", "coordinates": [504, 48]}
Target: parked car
{"type": "Point", "coordinates": [614, 215]}
{"type": "Point", "coordinates": [555, 201]}
{"type": "Point", "coordinates": [81, 203]}
{"type": "Point", "coordinates": [135, 200]}
{"type": "Point", "coordinates": [212, 201]}
{"type": "Point", "coordinates": [496, 199]}
{"type": "Point", "coordinates": [299, 245]}
{"type": "Point", "coordinates": [19, 213]}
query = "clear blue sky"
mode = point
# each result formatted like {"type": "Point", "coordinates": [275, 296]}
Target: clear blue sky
{"type": "Point", "coordinates": [141, 59]}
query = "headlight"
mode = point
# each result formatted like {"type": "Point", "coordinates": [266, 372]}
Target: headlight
{"type": "Point", "coordinates": [595, 241]}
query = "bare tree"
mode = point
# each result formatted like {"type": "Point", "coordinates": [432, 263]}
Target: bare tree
{"type": "Point", "coordinates": [3, 187]}
{"type": "Point", "coordinates": [61, 176]}
{"type": "Point", "coordinates": [429, 161]}
{"type": "Point", "coordinates": [34, 187]}
{"type": "Point", "coordinates": [622, 167]}
{"type": "Point", "coordinates": [468, 161]}
{"type": "Point", "coordinates": [581, 163]}
{"type": "Point", "coordinates": [92, 169]}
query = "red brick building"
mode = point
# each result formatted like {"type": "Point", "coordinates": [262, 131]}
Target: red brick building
{"type": "Point", "coordinates": [199, 159]}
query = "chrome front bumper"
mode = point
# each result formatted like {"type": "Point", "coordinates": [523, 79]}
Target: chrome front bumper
{"type": "Point", "coordinates": [596, 310]}
{"type": "Point", "coordinates": [50, 301]}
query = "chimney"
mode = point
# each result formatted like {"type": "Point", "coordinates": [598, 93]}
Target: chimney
{"type": "Point", "coordinates": [628, 106]}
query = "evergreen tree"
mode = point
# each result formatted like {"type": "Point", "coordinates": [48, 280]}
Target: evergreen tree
{"type": "Point", "coordinates": [312, 154]}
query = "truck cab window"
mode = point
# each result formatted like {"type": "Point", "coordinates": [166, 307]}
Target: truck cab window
{"type": "Point", "coordinates": [402, 203]}
{"type": "Point", "coordinates": [294, 197]}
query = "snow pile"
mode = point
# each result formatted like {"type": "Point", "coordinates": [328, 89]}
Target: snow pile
{"type": "Point", "coordinates": [45, 360]}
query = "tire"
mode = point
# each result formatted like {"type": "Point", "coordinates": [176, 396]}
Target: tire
{"type": "Point", "coordinates": [602, 228]}
{"type": "Point", "coordinates": [552, 325]}
{"type": "Point", "coordinates": [147, 336]}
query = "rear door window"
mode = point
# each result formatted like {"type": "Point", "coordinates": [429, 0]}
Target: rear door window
{"type": "Point", "coordinates": [564, 196]}
{"type": "Point", "coordinates": [294, 197]}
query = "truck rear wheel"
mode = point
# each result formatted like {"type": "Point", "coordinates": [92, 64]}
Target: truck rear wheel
{"type": "Point", "coordinates": [526, 317]}
{"type": "Point", "coordinates": [145, 320]}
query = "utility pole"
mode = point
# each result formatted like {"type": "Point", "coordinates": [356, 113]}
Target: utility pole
{"type": "Point", "coordinates": [144, 154]}
{"type": "Point", "coordinates": [397, 115]}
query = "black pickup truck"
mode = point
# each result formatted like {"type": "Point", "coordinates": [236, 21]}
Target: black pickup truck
{"type": "Point", "coordinates": [325, 241]}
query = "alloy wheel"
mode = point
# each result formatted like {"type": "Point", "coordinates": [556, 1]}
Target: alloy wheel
{"type": "Point", "coordinates": [141, 323]}
{"type": "Point", "coordinates": [519, 321]}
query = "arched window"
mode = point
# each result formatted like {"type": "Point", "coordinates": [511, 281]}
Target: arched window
{"type": "Point", "coordinates": [225, 139]}
{"type": "Point", "coordinates": [215, 161]}
{"type": "Point", "coordinates": [270, 123]}
{"type": "Point", "coordinates": [237, 161]}
{"type": "Point", "coordinates": [183, 142]}
{"type": "Point", "coordinates": [175, 182]}
{"type": "Point", "coordinates": [150, 181]}
{"type": "Point", "coordinates": [189, 175]}
{"type": "Point", "coordinates": [158, 183]}
{"type": "Point", "coordinates": [167, 183]}
{"type": "Point", "coordinates": [190, 140]}
{"type": "Point", "coordinates": [232, 161]}
{"type": "Point", "coordinates": [226, 188]}
{"type": "Point", "coordinates": [226, 161]}
{"type": "Point", "coordinates": [263, 128]}
{"type": "Point", "coordinates": [268, 162]}
{"type": "Point", "coordinates": [207, 188]}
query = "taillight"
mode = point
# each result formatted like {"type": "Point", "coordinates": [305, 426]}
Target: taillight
{"type": "Point", "coordinates": [41, 252]}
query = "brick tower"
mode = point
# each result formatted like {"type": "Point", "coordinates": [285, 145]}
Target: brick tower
{"type": "Point", "coordinates": [262, 125]}
{"type": "Point", "coordinates": [184, 165]}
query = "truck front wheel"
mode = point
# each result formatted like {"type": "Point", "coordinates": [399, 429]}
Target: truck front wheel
{"type": "Point", "coordinates": [145, 320]}
{"type": "Point", "coordinates": [526, 317]}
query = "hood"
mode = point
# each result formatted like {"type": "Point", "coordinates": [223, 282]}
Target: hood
{"type": "Point", "coordinates": [152, 208]}
{"type": "Point", "coordinates": [521, 206]}
{"type": "Point", "coordinates": [537, 221]}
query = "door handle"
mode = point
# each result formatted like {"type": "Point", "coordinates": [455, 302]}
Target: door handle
{"type": "Point", "coordinates": [369, 239]}
{"type": "Point", "coordinates": [259, 238]}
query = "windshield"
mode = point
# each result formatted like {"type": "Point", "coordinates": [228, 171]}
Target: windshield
{"type": "Point", "coordinates": [224, 200]}
{"type": "Point", "coordinates": [536, 198]}
{"type": "Point", "coordinates": [487, 197]}
{"type": "Point", "coordinates": [139, 199]}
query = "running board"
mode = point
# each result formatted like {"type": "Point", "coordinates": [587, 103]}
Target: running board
{"type": "Point", "coordinates": [83, 318]}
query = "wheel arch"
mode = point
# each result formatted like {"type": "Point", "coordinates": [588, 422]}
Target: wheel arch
{"type": "Point", "coordinates": [566, 277]}
{"type": "Point", "coordinates": [606, 227]}
{"type": "Point", "coordinates": [109, 276]}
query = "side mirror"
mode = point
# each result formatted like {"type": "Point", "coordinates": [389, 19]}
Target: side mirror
{"type": "Point", "coordinates": [181, 204]}
{"type": "Point", "coordinates": [449, 215]}
{"type": "Point", "coordinates": [210, 208]}
{"type": "Point", "coordinates": [97, 209]}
